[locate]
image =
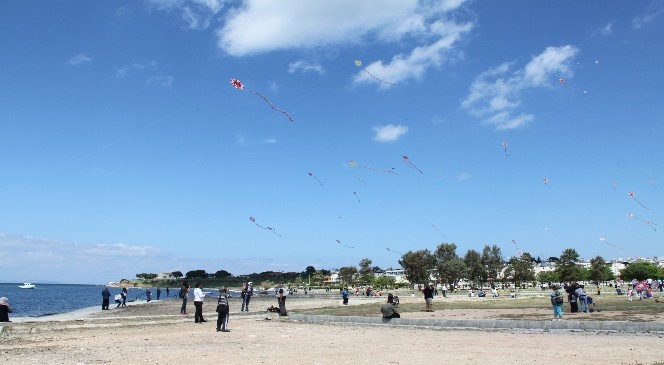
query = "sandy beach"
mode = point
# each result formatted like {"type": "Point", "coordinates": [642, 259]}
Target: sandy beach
{"type": "Point", "coordinates": [155, 333]}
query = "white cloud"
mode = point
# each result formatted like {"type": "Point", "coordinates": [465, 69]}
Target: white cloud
{"type": "Point", "coordinates": [195, 14]}
{"type": "Point", "coordinates": [389, 133]}
{"type": "Point", "coordinates": [655, 10]}
{"type": "Point", "coordinates": [462, 176]}
{"type": "Point", "coordinates": [607, 29]}
{"type": "Point", "coordinates": [79, 59]}
{"type": "Point", "coordinates": [263, 26]}
{"type": "Point", "coordinates": [304, 67]}
{"type": "Point", "coordinates": [240, 139]}
{"type": "Point", "coordinates": [160, 80]}
{"type": "Point", "coordinates": [496, 93]}
{"type": "Point", "coordinates": [270, 141]}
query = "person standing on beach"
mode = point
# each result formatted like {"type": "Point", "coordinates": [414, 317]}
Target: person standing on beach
{"type": "Point", "coordinates": [428, 297]}
{"type": "Point", "coordinates": [281, 298]}
{"type": "Point", "coordinates": [184, 294]}
{"type": "Point", "coordinates": [444, 290]}
{"type": "Point", "coordinates": [148, 294]}
{"type": "Point", "coordinates": [247, 292]}
{"type": "Point", "coordinates": [557, 302]}
{"type": "Point", "coordinates": [223, 310]}
{"type": "Point", "coordinates": [5, 309]}
{"type": "Point", "coordinates": [168, 292]}
{"type": "Point", "coordinates": [158, 292]}
{"type": "Point", "coordinates": [198, 303]}
{"type": "Point", "coordinates": [105, 298]}
{"type": "Point", "coordinates": [124, 296]}
{"type": "Point", "coordinates": [344, 295]}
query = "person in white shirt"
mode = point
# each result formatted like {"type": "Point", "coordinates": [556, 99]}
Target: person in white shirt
{"type": "Point", "coordinates": [198, 303]}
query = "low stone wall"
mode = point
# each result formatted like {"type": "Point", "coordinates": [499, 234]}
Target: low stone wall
{"type": "Point", "coordinates": [489, 324]}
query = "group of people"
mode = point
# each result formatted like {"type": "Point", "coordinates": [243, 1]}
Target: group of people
{"type": "Point", "coordinates": [121, 298]}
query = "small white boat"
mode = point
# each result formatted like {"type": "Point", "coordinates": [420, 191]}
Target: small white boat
{"type": "Point", "coordinates": [27, 286]}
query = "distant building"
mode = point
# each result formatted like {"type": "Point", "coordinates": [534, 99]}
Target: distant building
{"type": "Point", "coordinates": [165, 276]}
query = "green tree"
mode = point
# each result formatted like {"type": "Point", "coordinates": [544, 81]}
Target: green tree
{"type": "Point", "coordinates": [347, 275]}
{"type": "Point", "coordinates": [521, 269]}
{"type": "Point", "coordinates": [383, 281]}
{"type": "Point", "coordinates": [417, 266]}
{"type": "Point", "coordinates": [599, 271]}
{"type": "Point", "coordinates": [492, 261]}
{"type": "Point", "coordinates": [449, 267]}
{"type": "Point", "coordinates": [474, 267]}
{"type": "Point", "coordinates": [548, 277]}
{"type": "Point", "coordinates": [640, 270]}
{"type": "Point", "coordinates": [196, 274]}
{"type": "Point", "coordinates": [365, 273]}
{"type": "Point", "coordinates": [566, 267]}
{"type": "Point", "coordinates": [310, 270]}
{"type": "Point", "coordinates": [220, 274]}
{"type": "Point", "coordinates": [176, 274]}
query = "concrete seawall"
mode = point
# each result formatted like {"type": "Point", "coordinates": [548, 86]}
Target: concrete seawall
{"type": "Point", "coordinates": [489, 324]}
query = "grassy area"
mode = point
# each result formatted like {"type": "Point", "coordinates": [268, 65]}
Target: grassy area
{"type": "Point", "coordinates": [611, 307]}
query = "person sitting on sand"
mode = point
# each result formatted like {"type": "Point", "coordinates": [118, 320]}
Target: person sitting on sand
{"type": "Point", "coordinates": [389, 311]}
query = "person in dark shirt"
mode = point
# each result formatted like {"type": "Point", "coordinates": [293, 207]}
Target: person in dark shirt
{"type": "Point", "coordinates": [428, 297]}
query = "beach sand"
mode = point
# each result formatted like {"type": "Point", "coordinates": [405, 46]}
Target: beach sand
{"type": "Point", "coordinates": [154, 333]}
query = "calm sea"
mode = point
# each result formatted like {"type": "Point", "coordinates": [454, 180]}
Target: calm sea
{"type": "Point", "coordinates": [47, 299]}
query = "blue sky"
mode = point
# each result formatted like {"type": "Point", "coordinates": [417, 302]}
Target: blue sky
{"type": "Point", "coordinates": [125, 149]}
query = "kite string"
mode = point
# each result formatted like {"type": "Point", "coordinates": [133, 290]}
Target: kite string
{"type": "Point", "coordinates": [272, 105]}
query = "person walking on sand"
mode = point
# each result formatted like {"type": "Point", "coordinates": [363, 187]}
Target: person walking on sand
{"type": "Point", "coordinates": [247, 292]}
{"type": "Point", "coordinates": [184, 294]}
{"type": "Point", "coordinates": [223, 310]}
{"type": "Point", "coordinates": [198, 303]}
{"type": "Point", "coordinates": [158, 292]}
{"type": "Point", "coordinates": [557, 302]}
{"type": "Point", "coordinates": [444, 290]}
{"type": "Point", "coordinates": [5, 309]}
{"type": "Point", "coordinates": [148, 294]}
{"type": "Point", "coordinates": [105, 298]}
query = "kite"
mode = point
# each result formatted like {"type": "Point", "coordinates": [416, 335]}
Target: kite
{"type": "Point", "coordinates": [436, 228]}
{"type": "Point", "coordinates": [505, 145]}
{"type": "Point", "coordinates": [240, 86]}
{"type": "Point", "coordinates": [614, 186]}
{"type": "Point", "coordinates": [357, 196]}
{"type": "Point", "coordinates": [358, 63]}
{"type": "Point", "coordinates": [406, 160]}
{"type": "Point", "coordinates": [362, 181]}
{"type": "Point", "coordinates": [394, 251]}
{"type": "Point", "coordinates": [266, 228]}
{"type": "Point", "coordinates": [312, 175]}
{"type": "Point", "coordinates": [546, 182]}
{"type": "Point", "coordinates": [608, 243]}
{"type": "Point", "coordinates": [339, 242]}
{"type": "Point", "coordinates": [649, 223]}
{"type": "Point", "coordinates": [354, 164]}
{"type": "Point", "coordinates": [633, 196]}
{"type": "Point", "coordinates": [517, 247]}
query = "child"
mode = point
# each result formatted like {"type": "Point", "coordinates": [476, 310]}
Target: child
{"type": "Point", "coordinates": [630, 293]}
{"type": "Point", "coordinates": [557, 302]}
{"type": "Point", "coordinates": [223, 310]}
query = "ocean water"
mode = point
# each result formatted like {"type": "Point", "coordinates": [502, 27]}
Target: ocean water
{"type": "Point", "coordinates": [48, 299]}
